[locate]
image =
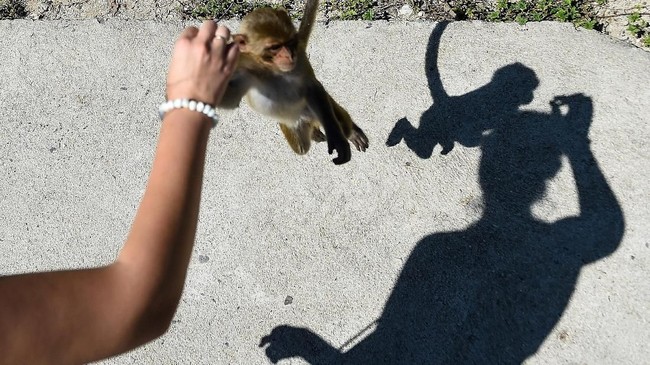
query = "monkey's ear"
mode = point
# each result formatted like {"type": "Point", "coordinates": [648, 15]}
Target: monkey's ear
{"type": "Point", "coordinates": [242, 41]}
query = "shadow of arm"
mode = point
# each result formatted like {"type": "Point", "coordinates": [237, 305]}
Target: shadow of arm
{"type": "Point", "coordinates": [600, 213]}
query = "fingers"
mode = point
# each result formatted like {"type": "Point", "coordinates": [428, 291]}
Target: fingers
{"type": "Point", "coordinates": [207, 31]}
{"type": "Point", "coordinates": [230, 51]}
{"type": "Point", "coordinates": [189, 32]}
{"type": "Point", "coordinates": [202, 63]}
{"type": "Point", "coordinates": [233, 54]}
{"type": "Point", "coordinates": [222, 34]}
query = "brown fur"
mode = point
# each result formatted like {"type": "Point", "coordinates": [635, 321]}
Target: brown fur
{"type": "Point", "coordinates": [278, 80]}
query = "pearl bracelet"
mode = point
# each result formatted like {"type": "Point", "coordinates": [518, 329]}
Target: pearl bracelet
{"type": "Point", "coordinates": [193, 105]}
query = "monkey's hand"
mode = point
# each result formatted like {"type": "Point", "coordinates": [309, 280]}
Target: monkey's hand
{"type": "Point", "coordinates": [342, 148]}
{"type": "Point", "coordinates": [287, 341]}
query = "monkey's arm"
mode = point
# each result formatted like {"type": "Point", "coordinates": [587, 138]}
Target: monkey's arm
{"type": "Point", "coordinates": [75, 317]}
{"type": "Point", "coordinates": [318, 101]}
{"type": "Point", "coordinates": [238, 86]}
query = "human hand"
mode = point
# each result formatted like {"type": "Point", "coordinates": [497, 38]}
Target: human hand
{"type": "Point", "coordinates": [287, 342]}
{"type": "Point", "coordinates": [577, 119]}
{"type": "Point", "coordinates": [202, 63]}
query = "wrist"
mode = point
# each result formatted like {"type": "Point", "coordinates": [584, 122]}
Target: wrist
{"type": "Point", "coordinates": [194, 106]}
{"type": "Point", "coordinates": [188, 117]}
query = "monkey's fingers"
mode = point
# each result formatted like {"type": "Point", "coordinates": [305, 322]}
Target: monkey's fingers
{"type": "Point", "coordinates": [318, 136]}
{"type": "Point", "coordinates": [359, 140]}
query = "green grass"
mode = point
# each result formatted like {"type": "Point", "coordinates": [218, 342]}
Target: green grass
{"type": "Point", "coordinates": [353, 9]}
{"type": "Point", "coordinates": [579, 12]}
{"type": "Point", "coordinates": [236, 9]}
{"type": "Point", "coordinates": [582, 13]}
{"type": "Point", "coordinates": [638, 27]}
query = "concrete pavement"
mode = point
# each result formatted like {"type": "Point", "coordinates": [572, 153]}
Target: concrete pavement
{"type": "Point", "coordinates": [524, 243]}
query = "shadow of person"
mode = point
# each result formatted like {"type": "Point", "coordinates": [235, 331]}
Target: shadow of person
{"type": "Point", "coordinates": [463, 118]}
{"type": "Point", "coordinates": [492, 293]}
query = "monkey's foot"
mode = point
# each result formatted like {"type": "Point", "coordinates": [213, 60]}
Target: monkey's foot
{"type": "Point", "coordinates": [318, 136]}
{"type": "Point", "coordinates": [447, 146]}
{"type": "Point", "coordinates": [298, 142]}
{"type": "Point", "coordinates": [359, 139]}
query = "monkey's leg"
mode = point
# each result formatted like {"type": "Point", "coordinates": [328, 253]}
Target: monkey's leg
{"type": "Point", "coordinates": [352, 131]}
{"type": "Point", "coordinates": [401, 130]}
{"type": "Point", "coordinates": [298, 137]}
{"type": "Point", "coordinates": [317, 135]}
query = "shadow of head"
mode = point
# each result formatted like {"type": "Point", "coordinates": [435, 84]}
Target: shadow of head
{"type": "Point", "coordinates": [513, 86]}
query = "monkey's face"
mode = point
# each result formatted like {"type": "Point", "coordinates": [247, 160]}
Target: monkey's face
{"type": "Point", "coordinates": [281, 56]}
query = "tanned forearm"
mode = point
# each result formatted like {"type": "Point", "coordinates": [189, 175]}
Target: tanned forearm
{"type": "Point", "coordinates": [164, 227]}
{"type": "Point", "coordinates": [73, 317]}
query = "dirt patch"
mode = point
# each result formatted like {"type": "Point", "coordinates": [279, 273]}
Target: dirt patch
{"type": "Point", "coordinates": [611, 17]}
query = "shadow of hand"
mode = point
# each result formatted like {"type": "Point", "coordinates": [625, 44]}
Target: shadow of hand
{"type": "Point", "coordinates": [287, 341]}
{"type": "Point", "coordinates": [577, 121]}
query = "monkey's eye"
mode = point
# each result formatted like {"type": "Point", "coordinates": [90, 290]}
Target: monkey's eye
{"type": "Point", "coordinates": [292, 44]}
{"type": "Point", "coordinates": [275, 47]}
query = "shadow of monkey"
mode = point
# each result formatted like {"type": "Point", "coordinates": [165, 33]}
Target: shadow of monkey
{"type": "Point", "coordinates": [489, 294]}
{"type": "Point", "coordinates": [463, 118]}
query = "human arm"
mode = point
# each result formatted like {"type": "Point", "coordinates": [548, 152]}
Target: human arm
{"type": "Point", "coordinates": [78, 316]}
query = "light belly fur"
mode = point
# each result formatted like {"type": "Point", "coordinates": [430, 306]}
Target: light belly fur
{"type": "Point", "coordinates": [287, 112]}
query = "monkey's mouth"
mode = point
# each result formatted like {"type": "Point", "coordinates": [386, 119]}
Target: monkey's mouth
{"type": "Point", "coordinates": [287, 68]}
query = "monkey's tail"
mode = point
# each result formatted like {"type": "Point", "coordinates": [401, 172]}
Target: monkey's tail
{"type": "Point", "coordinates": [308, 19]}
{"type": "Point", "coordinates": [432, 70]}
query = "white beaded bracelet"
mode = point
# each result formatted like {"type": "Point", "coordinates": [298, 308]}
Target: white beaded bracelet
{"type": "Point", "coordinates": [193, 105]}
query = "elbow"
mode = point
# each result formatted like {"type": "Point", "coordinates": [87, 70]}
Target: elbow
{"type": "Point", "coordinates": [153, 322]}
{"type": "Point", "coordinates": [146, 307]}
{"type": "Point", "coordinates": [156, 319]}
{"type": "Point", "coordinates": [160, 324]}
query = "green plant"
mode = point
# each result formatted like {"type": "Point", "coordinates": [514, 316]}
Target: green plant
{"type": "Point", "coordinates": [368, 15]}
{"type": "Point", "coordinates": [354, 9]}
{"type": "Point", "coordinates": [636, 25]}
{"type": "Point", "coordinates": [219, 9]}
{"type": "Point", "coordinates": [579, 12]}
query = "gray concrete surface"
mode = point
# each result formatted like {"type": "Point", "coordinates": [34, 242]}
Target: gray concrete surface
{"type": "Point", "coordinates": [391, 258]}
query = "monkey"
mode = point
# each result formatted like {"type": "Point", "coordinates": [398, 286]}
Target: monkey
{"type": "Point", "coordinates": [276, 79]}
